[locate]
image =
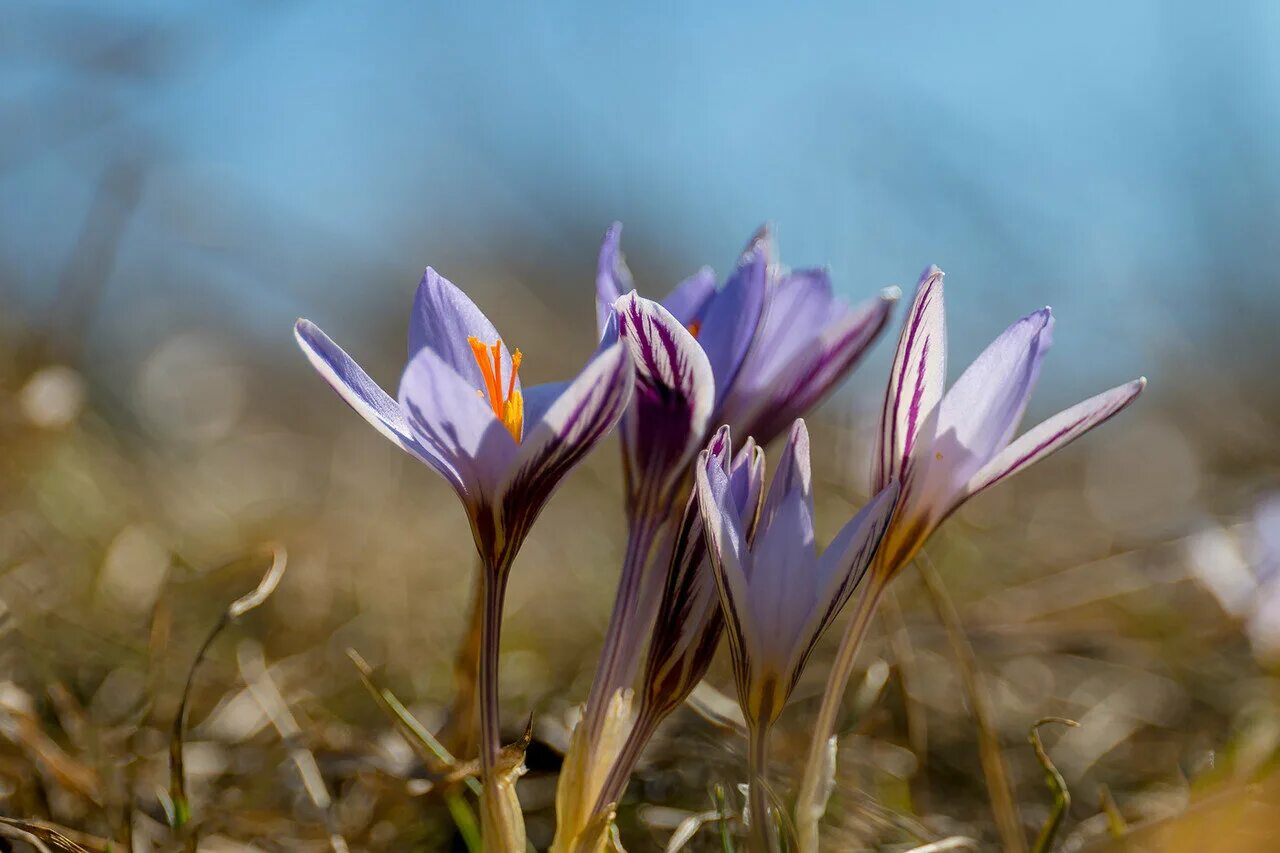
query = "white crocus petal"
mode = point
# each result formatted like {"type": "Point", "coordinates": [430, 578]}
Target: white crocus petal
{"type": "Point", "coordinates": [981, 412]}
{"type": "Point", "coordinates": [916, 382]}
{"type": "Point", "coordinates": [1055, 433]}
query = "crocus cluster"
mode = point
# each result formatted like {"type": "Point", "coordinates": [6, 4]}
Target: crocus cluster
{"type": "Point", "coordinates": [709, 552]}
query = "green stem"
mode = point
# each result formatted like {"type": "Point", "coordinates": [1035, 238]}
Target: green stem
{"type": "Point", "coordinates": [496, 835]}
{"type": "Point", "coordinates": [763, 837]}
{"type": "Point", "coordinates": [811, 802]}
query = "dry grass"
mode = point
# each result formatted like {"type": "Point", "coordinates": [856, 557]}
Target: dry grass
{"type": "Point", "coordinates": [133, 510]}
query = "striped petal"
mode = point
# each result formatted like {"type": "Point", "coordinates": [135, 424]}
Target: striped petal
{"type": "Point", "coordinates": [842, 567]}
{"type": "Point", "coordinates": [916, 383]}
{"type": "Point", "coordinates": [688, 625]}
{"type": "Point", "coordinates": [791, 369]}
{"type": "Point", "coordinates": [671, 407]}
{"type": "Point", "coordinates": [727, 549]}
{"type": "Point", "coordinates": [1055, 433]}
{"type": "Point", "coordinates": [581, 413]}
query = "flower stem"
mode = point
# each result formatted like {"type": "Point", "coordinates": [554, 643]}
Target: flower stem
{"type": "Point", "coordinates": [811, 802]}
{"type": "Point", "coordinates": [763, 838]}
{"type": "Point", "coordinates": [496, 828]}
{"type": "Point", "coordinates": [615, 784]}
{"type": "Point", "coordinates": [620, 655]}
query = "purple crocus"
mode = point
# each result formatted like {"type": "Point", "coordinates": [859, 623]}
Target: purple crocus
{"type": "Point", "coordinates": [754, 353]}
{"type": "Point", "coordinates": [689, 622]}
{"type": "Point", "coordinates": [504, 448]}
{"type": "Point", "coordinates": [778, 595]}
{"type": "Point", "coordinates": [945, 448]}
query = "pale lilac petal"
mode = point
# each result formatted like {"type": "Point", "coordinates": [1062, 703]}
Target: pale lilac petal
{"type": "Point", "coordinates": [842, 567]}
{"type": "Point", "coordinates": [583, 413]}
{"type": "Point", "coordinates": [1054, 434]}
{"type": "Point", "coordinates": [538, 399]}
{"type": "Point", "coordinates": [794, 474]}
{"type": "Point", "coordinates": [727, 547]}
{"type": "Point", "coordinates": [353, 385]}
{"type": "Point", "coordinates": [688, 300]}
{"type": "Point", "coordinates": [981, 412]}
{"type": "Point", "coordinates": [443, 319]}
{"type": "Point", "coordinates": [799, 304]}
{"type": "Point", "coordinates": [731, 318]}
{"type": "Point", "coordinates": [916, 382]}
{"type": "Point", "coordinates": [674, 391]}
{"type": "Point", "coordinates": [783, 574]}
{"type": "Point", "coordinates": [612, 276]}
{"type": "Point", "coordinates": [746, 483]}
{"type": "Point", "coordinates": [448, 417]}
{"type": "Point", "coordinates": [789, 371]}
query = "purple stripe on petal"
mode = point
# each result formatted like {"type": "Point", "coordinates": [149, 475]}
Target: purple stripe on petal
{"type": "Point", "coordinates": [1054, 434]}
{"type": "Point", "coordinates": [727, 548]}
{"type": "Point", "coordinates": [674, 389]}
{"type": "Point", "coordinates": [569, 427]}
{"type": "Point", "coordinates": [916, 380]}
{"type": "Point", "coordinates": [798, 386]}
{"type": "Point", "coordinates": [842, 567]}
{"type": "Point", "coordinates": [688, 625]}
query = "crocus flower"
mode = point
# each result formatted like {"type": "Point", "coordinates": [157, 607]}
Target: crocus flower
{"type": "Point", "coordinates": [689, 622]}
{"type": "Point", "coordinates": [754, 353]}
{"type": "Point", "coordinates": [777, 593]}
{"type": "Point", "coordinates": [945, 448]}
{"type": "Point", "coordinates": [504, 448]}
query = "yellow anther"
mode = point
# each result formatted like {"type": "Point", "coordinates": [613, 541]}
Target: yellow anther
{"type": "Point", "coordinates": [508, 407]}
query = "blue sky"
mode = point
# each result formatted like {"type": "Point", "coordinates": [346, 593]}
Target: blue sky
{"type": "Point", "coordinates": [1117, 161]}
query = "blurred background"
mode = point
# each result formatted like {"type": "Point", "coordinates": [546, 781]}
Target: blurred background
{"type": "Point", "coordinates": [178, 183]}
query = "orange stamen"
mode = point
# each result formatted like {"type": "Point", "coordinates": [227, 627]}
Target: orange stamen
{"type": "Point", "coordinates": [694, 327]}
{"type": "Point", "coordinates": [509, 407]}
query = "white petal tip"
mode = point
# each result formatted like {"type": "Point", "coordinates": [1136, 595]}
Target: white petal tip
{"type": "Point", "coordinates": [892, 293]}
{"type": "Point", "coordinates": [1142, 382]}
